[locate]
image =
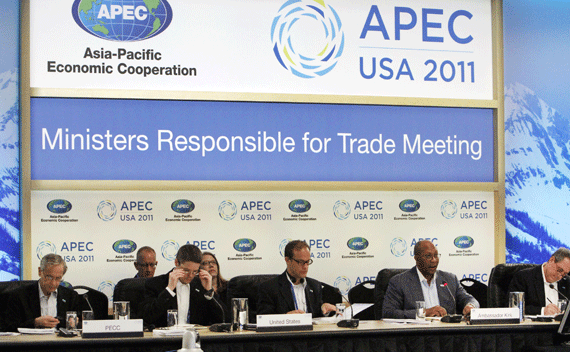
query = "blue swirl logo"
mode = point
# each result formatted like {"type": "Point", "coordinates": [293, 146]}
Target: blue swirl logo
{"type": "Point", "coordinates": [244, 245]}
{"type": "Point", "coordinates": [341, 209]}
{"type": "Point", "coordinates": [294, 23]}
{"type": "Point", "coordinates": [59, 206]}
{"type": "Point", "coordinates": [45, 247]}
{"type": "Point", "coordinates": [448, 209]}
{"type": "Point", "coordinates": [182, 206]}
{"type": "Point", "coordinates": [398, 247]}
{"type": "Point", "coordinates": [106, 210]}
{"type": "Point", "coordinates": [299, 206]}
{"type": "Point", "coordinates": [227, 210]}
{"type": "Point", "coordinates": [409, 205]}
{"type": "Point", "coordinates": [282, 246]}
{"type": "Point", "coordinates": [107, 287]}
{"type": "Point", "coordinates": [122, 20]}
{"type": "Point", "coordinates": [357, 243]}
{"type": "Point", "coordinates": [169, 249]}
{"type": "Point", "coordinates": [124, 246]}
{"type": "Point", "coordinates": [463, 242]}
{"type": "Point", "coordinates": [343, 284]}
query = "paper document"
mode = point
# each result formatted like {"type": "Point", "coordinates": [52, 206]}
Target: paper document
{"type": "Point", "coordinates": [407, 321]}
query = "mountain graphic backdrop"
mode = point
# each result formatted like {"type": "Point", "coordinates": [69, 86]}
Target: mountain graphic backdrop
{"type": "Point", "coordinates": [537, 177]}
{"type": "Point", "coordinates": [9, 177]}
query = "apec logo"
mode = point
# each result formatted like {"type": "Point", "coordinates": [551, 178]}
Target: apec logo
{"type": "Point", "coordinates": [122, 20]}
{"type": "Point", "coordinates": [44, 248]}
{"type": "Point", "coordinates": [244, 245]}
{"type": "Point", "coordinates": [448, 209]}
{"type": "Point", "coordinates": [299, 206]}
{"type": "Point", "coordinates": [106, 210]}
{"type": "Point", "coordinates": [296, 27]}
{"type": "Point", "coordinates": [124, 246]}
{"type": "Point", "coordinates": [343, 284]}
{"type": "Point", "coordinates": [463, 242]}
{"type": "Point", "coordinates": [357, 243]}
{"type": "Point", "coordinates": [182, 206]}
{"type": "Point", "coordinates": [59, 206]}
{"type": "Point", "coordinates": [169, 249]}
{"type": "Point", "coordinates": [341, 209]}
{"type": "Point", "coordinates": [398, 247]}
{"type": "Point", "coordinates": [409, 205]}
{"type": "Point", "coordinates": [227, 210]}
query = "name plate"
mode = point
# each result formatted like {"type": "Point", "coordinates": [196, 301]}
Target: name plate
{"type": "Point", "coordinates": [284, 322]}
{"type": "Point", "coordinates": [112, 328]}
{"type": "Point", "coordinates": [495, 316]}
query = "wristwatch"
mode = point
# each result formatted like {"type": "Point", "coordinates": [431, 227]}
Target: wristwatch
{"type": "Point", "coordinates": [209, 294]}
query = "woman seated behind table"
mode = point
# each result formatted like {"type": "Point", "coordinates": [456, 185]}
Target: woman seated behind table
{"type": "Point", "coordinates": [211, 265]}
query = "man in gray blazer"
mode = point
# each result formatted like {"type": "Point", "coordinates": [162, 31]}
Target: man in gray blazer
{"type": "Point", "coordinates": [439, 289]}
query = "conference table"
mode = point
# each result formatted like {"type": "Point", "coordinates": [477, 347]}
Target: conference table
{"type": "Point", "coordinates": [369, 336]}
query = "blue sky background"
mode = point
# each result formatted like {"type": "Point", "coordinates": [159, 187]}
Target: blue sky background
{"type": "Point", "coordinates": [9, 13]}
{"type": "Point", "coordinates": [537, 48]}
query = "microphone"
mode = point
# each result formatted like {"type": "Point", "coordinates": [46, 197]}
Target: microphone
{"type": "Point", "coordinates": [347, 323]}
{"type": "Point", "coordinates": [444, 284]}
{"type": "Point", "coordinates": [90, 307]}
{"type": "Point", "coordinates": [560, 293]}
{"type": "Point", "coordinates": [454, 318]}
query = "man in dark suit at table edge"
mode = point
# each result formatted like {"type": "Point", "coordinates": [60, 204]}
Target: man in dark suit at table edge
{"type": "Point", "coordinates": [535, 283]}
{"type": "Point", "coordinates": [186, 288]}
{"type": "Point", "coordinates": [440, 290]}
{"type": "Point", "coordinates": [39, 305]}
{"type": "Point", "coordinates": [293, 292]}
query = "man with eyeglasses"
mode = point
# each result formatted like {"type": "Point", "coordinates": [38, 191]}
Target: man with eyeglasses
{"type": "Point", "coordinates": [541, 285]}
{"type": "Point", "coordinates": [186, 288]}
{"type": "Point", "coordinates": [293, 292]}
{"type": "Point", "coordinates": [440, 290]}
{"type": "Point", "coordinates": [146, 262]}
{"type": "Point", "coordinates": [43, 304]}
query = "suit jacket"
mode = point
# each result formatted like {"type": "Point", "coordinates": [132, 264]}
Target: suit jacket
{"type": "Point", "coordinates": [158, 300]}
{"type": "Point", "coordinates": [24, 306]}
{"type": "Point", "coordinates": [276, 297]}
{"type": "Point", "coordinates": [405, 289]}
{"type": "Point", "coordinates": [530, 282]}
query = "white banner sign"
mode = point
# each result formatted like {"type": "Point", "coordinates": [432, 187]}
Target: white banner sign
{"type": "Point", "coordinates": [352, 235]}
{"type": "Point", "coordinates": [402, 48]}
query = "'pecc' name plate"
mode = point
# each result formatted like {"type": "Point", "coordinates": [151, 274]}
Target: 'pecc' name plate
{"type": "Point", "coordinates": [112, 328]}
{"type": "Point", "coordinates": [284, 322]}
{"type": "Point", "coordinates": [495, 316]}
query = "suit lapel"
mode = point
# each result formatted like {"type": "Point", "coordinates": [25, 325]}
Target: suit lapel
{"type": "Point", "coordinates": [34, 299]}
{"type": "Point", "coordinates": [540, 288]}
{"type": "Point", "coordinates": [286, 292]}
{"type": "Point", "coordinates": [309, 294]}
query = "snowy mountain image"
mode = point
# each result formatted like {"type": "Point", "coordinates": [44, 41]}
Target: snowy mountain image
{"type": "Point", "coordinates": [537, 177]}
{"type": "Point", "coordinates": [9, 177]}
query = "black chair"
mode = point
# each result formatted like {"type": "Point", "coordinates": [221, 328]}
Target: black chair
{"type": "Point", "coordinates": [132, 290]}
{"type": "Point", "coordinates": [363, 293]}
{"type": "Point", "coordinates": [499, 280]}
{"type": "Point", "coordinates": [6, 288]}
{"type": "Point", "coordinates": [331, 294]}
{"type": "Point", "coordinates": [246, 286]}
{"type": "Point", "coordinates": [382, 280]}
{"type": "Point", "coordinates": [96, 300]}
{"type": "Point", "coordinates": [477, 289]}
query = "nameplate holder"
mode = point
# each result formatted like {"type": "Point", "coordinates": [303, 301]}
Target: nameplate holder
{"type": "Point", "coordinates": [112, 328]}
{"type": "Point", "coordinates": [284, 322]}
{"type": "Point", "coordinates": [495, 316]}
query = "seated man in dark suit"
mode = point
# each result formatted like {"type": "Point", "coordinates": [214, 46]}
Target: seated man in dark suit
{"type": "Point", "coordinates": [146, 262]}
{"type": "Point", "coordinates": [39, 305]}
{"type": "Point", "coordinates": [440, 290]}
{"type": "Point", "coordinates": [542, 283]}
{"type": "Point", "coordinates": [186, 288]}
{"type": "Point", "coordinates": [293, 291]}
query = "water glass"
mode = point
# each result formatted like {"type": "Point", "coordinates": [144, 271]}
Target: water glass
{"type": "Point", "coordinates": [172, 317]}
{"type": "Point", "coordinates": [420, 310]}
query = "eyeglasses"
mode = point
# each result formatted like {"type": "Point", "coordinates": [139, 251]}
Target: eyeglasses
{"type": "Point", "coordinates": [431, 256]}
{"type": "Point", "coordinates": [302, 262]}
{"type": "Point", "coordinates": [206, 263]}
{"type": "Point", "coordinates": [194, 273]}
{"type": "Point", "coordinates": [51, 278]}
{"type": "Point", "coordinates": [147, 265]}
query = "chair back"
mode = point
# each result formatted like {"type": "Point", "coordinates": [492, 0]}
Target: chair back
{"type": "Point", "coordinates": [331, 294]}
{"type": "Point", "coordinates": [363, 293]}
{"type": "Point", "coordinates": [382, 280]}
{"type": "Point", "coordinates": [6, 288]}
{"type": "Point", "coordinates": [246, 286]}
{"type": "Point", "coordinates": [98, 301]}
{"type": "Point", "coordinates": [132, 290]}
{"type": "Point", "coordinates": [477, 289]}
{"type": "Point", "coordinates": [499, 280]}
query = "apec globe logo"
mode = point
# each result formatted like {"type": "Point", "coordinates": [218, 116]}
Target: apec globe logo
{"type": "Point", "coordinates": [409, 205]}
{"type": "Point", "coordinates": [182, 206]}
{"type": "Point", "coordinates": [124, 246]}
{"type": "Point", "coordinates": [244, 245]}
{"type": "Point", "coordinates": [299, 206]}
{"type": "Point", "coordinates": [122, 20]}
{"type": "Point", "coordinates": [357, 243]}
{"type": "Point", "coordinates": [463, 242]}
{"type": "Point", "coordinates": [59, 206]}
{"type": "Point", "coordinates": [307, 37]}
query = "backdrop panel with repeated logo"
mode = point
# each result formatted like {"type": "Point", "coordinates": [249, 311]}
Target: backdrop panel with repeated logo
{"type": "Point", "coordinates": [352, 235]}
{"type": "Point", "coordinates": [402, 48]}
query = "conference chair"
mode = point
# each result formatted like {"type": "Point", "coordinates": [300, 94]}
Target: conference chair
{"type": "Point", "coordinates": [331, 294]}
{"type": "Point", "coordinates": [363, 293]}
{"type": "Point", "coordinates": [499, 280]}
{"type": "Point", "coordinates": [97, 300]}
{"type": "Point", "coordinates": [477, 289]}
{"type": "Point", "coordinates": [246, 286]}
{"type": "Point", "coordinates": [132, 290]}
{"type": "Point", "coordinates": [380, 287]}
{"type": "Point", "coordinates": [6, 288]}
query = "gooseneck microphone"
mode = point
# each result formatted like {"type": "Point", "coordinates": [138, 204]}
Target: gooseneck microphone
{"type": "Point", "coordinates": [347, 323]}
{"type": "Point", "coordinates": [87, 299]}
{"type": "Point", "coordinates": [444, 284]}
{"type": "Point", "coordinates": [560, 293]}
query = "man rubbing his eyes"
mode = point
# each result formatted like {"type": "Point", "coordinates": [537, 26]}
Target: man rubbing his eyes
{"type": "Point", "coordinates": [293, 292]}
